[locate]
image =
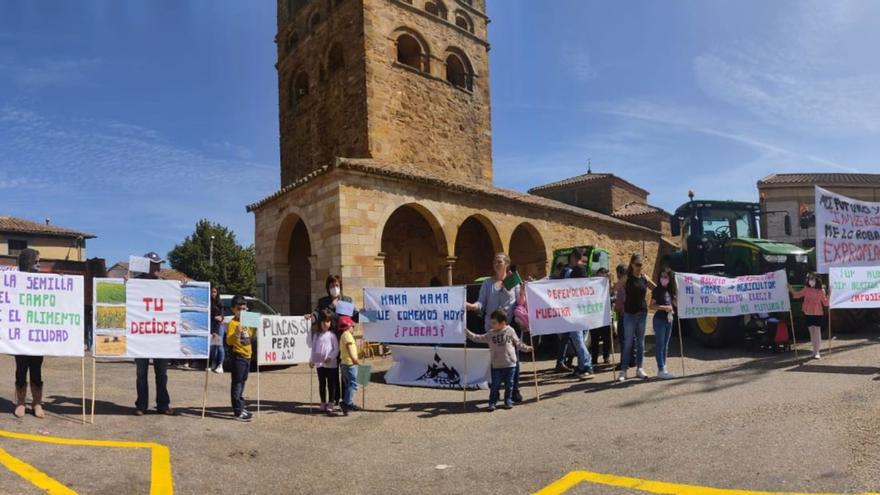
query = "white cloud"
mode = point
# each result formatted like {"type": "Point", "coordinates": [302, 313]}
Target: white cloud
{"type": "Point", "coordinates": [52, 72]}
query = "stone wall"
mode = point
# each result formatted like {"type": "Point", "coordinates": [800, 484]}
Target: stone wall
{"type": "Point", "coordinates": [420, 118]}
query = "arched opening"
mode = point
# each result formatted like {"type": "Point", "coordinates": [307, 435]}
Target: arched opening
{"type": "Point", "coordinates": [463, 21]}
{"type": "Point", "coordinates": [292, 40]}
{"type": "Point", "coordinates": [414, 247]}
{"type": "Point", "coordinates": [300, 88]}
{"type": "Point", "coordinates": [300, 266]}
{"type": "Point", "coordinates": [457, 72]}
{"type": "Point", "coordinates": [314, 20]}
{"type": "Point", "coordinates": [335, 59]}
{"type": "Point", "coordinates": [476, 243]}
{"type": "Point", "coordinates": [528, 252]}
{"type": "Point", "coordinates": [436, 8]}
{"type": "Point", "coordinates": [411, 53]}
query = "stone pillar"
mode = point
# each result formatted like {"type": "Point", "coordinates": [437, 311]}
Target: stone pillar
{"type": "Point", "coordinates": [450, 263]}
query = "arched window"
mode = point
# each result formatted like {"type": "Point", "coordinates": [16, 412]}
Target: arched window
{"type": "Point", "coordinates": [300, 87]}
{"type": "Point", "coordinates": [314, 21]}
{"type": "Point", "coordinates": [436, 8]}
{"type": "Point", "coordinates": [410, 52]}
{"type": "Point", "coordinates": [463, 21]}
{"type": "Point", "coordinates": [335, 58]}
{"type": "Point", "coordinates": [458, 72]}
{"type": "Point", "coordinates": [292, 40]}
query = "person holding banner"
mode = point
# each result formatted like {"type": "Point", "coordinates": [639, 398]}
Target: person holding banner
{"type": "Point", "coordinates": [815, 299]}
{"type": "Point", "coordinates": [29, 261]}
{"type": "Point", "coordinates": [325, 357]}
{"type": "Point", "coordinates": [663, 304]}
{"type": "Point", "coordinates": [503, 346]}
{"type": "Point", "coordinates": [239, 339]}
{"type": "Point", "coordinates": [216, 352]}
{"type": "Point", "coordinates": [160, 366]}
{"type": "Point", "coordinates": [495, 295]}
{"type": "Point", "coordinates": [602, 334]}
{"type": "Point", "coordinates": [635, 316]}
{"type": "Point", "coordinates": [576, 268]}
{"type": "Point", "coordinates": [333, 286]}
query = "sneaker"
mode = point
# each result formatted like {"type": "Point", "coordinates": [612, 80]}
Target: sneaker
{"type": "Point", "coordinates": [244, 416]}
{"type": "Point", "coordinates": [218, 370]}
{"type": "Point", "coordinates": [817, 356]}
{"type": "Point", "coordinates": [491, 408]}
{"type": "Point", "coordinates": [621, 377]}
{"type": "Point", "coordinates": [139, 412]}
{"type": "Point", "coordinates": [508, 405]}
{"type": "Point", "coordinates": [517, 397]}
{"type": "Point", "coordinates": [168, 412]}
{"type": "Point", "coordinates": [561, 368]}
{"type": "Point", "coordinates": [640, 372]}
{"type": "Point", "coordinates": [665, 375]}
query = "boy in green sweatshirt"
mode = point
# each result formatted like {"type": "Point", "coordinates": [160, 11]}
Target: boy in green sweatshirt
{"type": "Point", "coordinates": [503, 344]}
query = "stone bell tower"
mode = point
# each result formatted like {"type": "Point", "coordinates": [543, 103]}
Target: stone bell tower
{"type": "Point", "coordinates": [404, 83]}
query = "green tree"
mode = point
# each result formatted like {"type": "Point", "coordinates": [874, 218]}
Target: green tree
{"type": "Point", "coordinates": [234, 268]}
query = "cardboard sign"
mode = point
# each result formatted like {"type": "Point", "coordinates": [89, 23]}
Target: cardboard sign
{"type": "Point", "coordinates": [284, 340]}
{"type": "Point", "coordinates": [432, 315]}
{"type": "Point", "coordinates": [568, 305]}
{"type": "Point", "coordinates": [344, 308]}
{"type": "Point", "coordinates": [145, 318]}
{"type": "Point", "coordinates": [250, 319]}
{"type": "Point", "coordinates": [439, 367]}
{"type": "Point", "coordinates": [41, 314]}
{"type": "Point", "coordinates": [710, 295]}
{"type": "Point", "coordinates": [847, 231]}
{"type": "Point", "coordinates": [364, 374]}
{"type": "Point", "coordinates": [138, 264]}
{"type": "Point", "coordinates": [856, 287]}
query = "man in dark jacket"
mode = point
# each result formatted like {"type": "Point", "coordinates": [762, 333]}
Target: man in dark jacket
{"type": "Point", "coordinates": [160, 366]}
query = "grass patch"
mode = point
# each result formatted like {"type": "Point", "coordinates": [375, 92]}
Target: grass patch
{"type": "Point", "coordinates": [110, 317]}
{"type": "Point", "coordinates": [111, 293]}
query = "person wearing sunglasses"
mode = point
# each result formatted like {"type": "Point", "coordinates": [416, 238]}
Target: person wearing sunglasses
{"type": "Point", "coordinates": [635, 316]}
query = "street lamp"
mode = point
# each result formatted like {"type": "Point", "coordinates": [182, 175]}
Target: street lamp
{"type": "Point", "coordinates": [211, 253]}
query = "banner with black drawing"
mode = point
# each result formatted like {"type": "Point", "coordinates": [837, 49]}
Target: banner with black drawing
{"type": "Point", "coordinates": [439, 367]}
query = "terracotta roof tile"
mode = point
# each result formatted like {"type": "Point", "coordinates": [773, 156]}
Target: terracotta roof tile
{"type": "Point", "coordinates": [166, 273]}
{"type": "Point", "coordinates": [582, 179]}
{"type": "Point", "coordinates": [413, 173]}
{"type": "Point", "coordinates": [635, 208]}
{"type": "Point", "coordinates": [820, 179]}
{"type": "Point", "coordinates": [20, 225]}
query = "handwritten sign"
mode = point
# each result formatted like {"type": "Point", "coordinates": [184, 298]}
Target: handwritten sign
{"type": "Point", "coordinates": [415, 315]}
{"type": "Point", "coordinates": [568, 305]}
{"type": "Point", "coordinates": [847, 231]}
{"type": "Point", "coordinates": [710, 295]}
{"type": "Point", "coordinates": [250, 319]}
{"type": "Point", "coordinates": [41, 314]}
{"type": "Point", "coordinates": [854, 287]}
{"type": "Point", "coordinates": [284, 340]}
{"type": "Point", "coordinates": [138, 264]}
{"type": "Point", "coordinates": [144, 318]}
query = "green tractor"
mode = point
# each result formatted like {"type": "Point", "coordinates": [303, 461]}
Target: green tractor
{"type": "Point", "coordinates": [596, 258]}
{"type": "Point", "coordinates": [721, 238]}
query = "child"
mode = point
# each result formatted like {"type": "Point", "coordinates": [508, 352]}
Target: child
{"type": "Point", "coordinates": [239, 338]}
{"type": "Point", "coordinates": [663, 304]}
{"type": "Point", "coordinates": [349, 358]}
{"type": "Point", "coordinates": [325, 351]}
{"type": "Point", "coordinates": [503, 344]}
{"type": "Point", "coordinates": [814, 298]}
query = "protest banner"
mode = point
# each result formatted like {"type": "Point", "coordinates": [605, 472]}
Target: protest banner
{"type": "Point", "coordinates": [714, 296]}
{"type": "Point", "coordinates": [847, 231]}
{"type": "Point", "coordinates": [414, 315]}
{"type": "Point", "coordinates": [855, 287]}
{"type": "Point", "coordinates": [284, 340]}
{"type": "Point", "coordinates": [41, 314]}
{"type": "Point", "coordinates": [145, 318]}
{"type": "Point", "coordinates": [568, 305]}
{"type": "Point", "coordinates": [438, 367]}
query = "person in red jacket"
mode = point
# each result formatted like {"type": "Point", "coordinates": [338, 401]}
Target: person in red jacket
{"type": "Point", "coordinates": [815, 300]}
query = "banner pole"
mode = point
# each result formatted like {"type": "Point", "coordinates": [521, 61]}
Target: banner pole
{"type": "Point", "coordinates": [465, 384]}
{"type": "Point", "coordinates": [681, 347]}
{"type": "Point", "coordinates": [793, 331]}
{"type": "Point", "coordinates": [83, 369]}
{"type": "Point", "coordinates": [205, 395]}
{"type": "Point", "coordinates": [258, 390]}
{"type": "Point", "coordinates": [312, 372]}
{"type": "Point", "coordinates": [829, 330]}
{"type": "Point", "coordinates": [94, 366]}
{"type": "Point", "coordinates": [611, 333]}
{"type": "Point", "coordinates": [534, 368]}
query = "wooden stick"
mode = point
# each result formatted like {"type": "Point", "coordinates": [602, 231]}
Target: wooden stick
{"type": "Point", "coordinates": [611, 336]}
{"type": "Point", "coordinates": [465, 383]}
{"type": "Point", "coordinates": [258, 390]}
{"type": "Point", "coordinates": [94, 365]}
{"type": "Point", "coordinates": [205, 395]}
{"type": "Point", "coordinates": [534, 368]}
{"type": "Point", "coordinates": [312, 389]}
{"type": "Point", "coordinates": [83, 369]}
{"type": "Point", "coordinates": [681, 347]}
{"type": "Point", "coordinates": [793, 332]}
{"type": "Point", "coordinates": [829, 330]}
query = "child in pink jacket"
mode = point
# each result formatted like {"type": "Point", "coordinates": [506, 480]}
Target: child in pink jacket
{"type": "Point", "coordinates": [815, 300]}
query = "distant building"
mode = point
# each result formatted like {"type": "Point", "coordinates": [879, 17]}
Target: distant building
{"type": "Point", "coordinates": [119, 270]}
{"type": "Point", "coordinates": [53, 242]}
{"type": "Point", "coordinates": [795, 193]}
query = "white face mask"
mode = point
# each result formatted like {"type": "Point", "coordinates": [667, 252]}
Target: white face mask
{"type": "Point", "coordinates": [811, 283]}
{"type": "Point", "coordinates": [334, 291]}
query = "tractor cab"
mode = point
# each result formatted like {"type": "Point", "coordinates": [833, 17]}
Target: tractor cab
{"type": "Point", "coordinates": [706, 227]}
{"type": "Point", "coordinates": [595, 257]}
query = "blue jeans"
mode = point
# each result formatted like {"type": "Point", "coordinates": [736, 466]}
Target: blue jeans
{"type": "Point", "coordinates": [662, 334]}
{"type": "Point", "coordinates": [349, 383]}
{"type": "Point", "coordinates": [499, 375]}
{"type": "Point", "coordinates": [240, 369]}
{"type": "Point", "coordinates": [217, 356]}
{"type": "Point", "coordinates": [579, 341]}
{"type": "Point", "coordinates": [633, 333]}
{"type": "Point", "coordinates": [160, 367]}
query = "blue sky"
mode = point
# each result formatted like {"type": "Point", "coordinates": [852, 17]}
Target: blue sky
{"type": "Point", "coordinates": [133, 119]}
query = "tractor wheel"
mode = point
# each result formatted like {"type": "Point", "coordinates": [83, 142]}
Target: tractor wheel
{"type": "Point", "coordinates": [713, 331]}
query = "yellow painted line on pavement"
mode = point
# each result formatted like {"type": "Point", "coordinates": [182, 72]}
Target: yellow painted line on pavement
{"type": "Point", "coordinates": [36, 477]}
{"type": "Point", "coordinates": [161, 481]}
{"type": "Point", "coordinates": [574, 478]}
